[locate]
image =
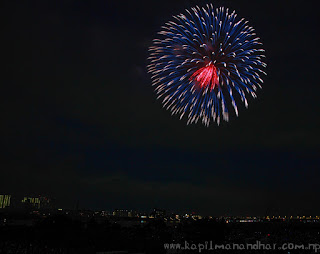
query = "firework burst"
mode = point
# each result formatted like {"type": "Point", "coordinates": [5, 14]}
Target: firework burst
{"type": "Point", "coordinates": [204, 61]}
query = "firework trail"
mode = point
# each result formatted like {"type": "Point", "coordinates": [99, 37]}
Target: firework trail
{"type": "Point", "coordinates": [204, 61]}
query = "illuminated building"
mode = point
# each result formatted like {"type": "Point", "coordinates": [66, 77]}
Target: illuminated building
{"type": "Point", "coordinates": [34, 202]}
{"type": "Point", "coordinates": [158, 213]}
{"type": "Point", "coordinates": [38, 202]}
{"type": "Point", "coordinates": [124, 213]}
{"type": "Point", "coordinates": [132, 213]}
{"type": "Point", "coordinates": [196, 217]}
{"type": "Point", "coordinates": [5, 201]}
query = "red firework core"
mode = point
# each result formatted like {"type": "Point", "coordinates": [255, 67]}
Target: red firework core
{"type": "Point", "coordinates": [206, 76]}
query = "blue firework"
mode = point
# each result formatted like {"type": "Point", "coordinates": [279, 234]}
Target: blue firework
{"type": "Point", "coordinates": [205, 60]}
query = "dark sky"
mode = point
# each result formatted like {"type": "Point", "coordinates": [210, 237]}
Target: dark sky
{"type": "Point", "coordinates": [80, 120]}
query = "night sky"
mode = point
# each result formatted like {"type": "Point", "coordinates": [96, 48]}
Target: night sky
{"type": "Point", "coordinates": [80, 120]}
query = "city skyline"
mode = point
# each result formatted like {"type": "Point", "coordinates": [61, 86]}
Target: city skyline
{"type": "Point", "coordinates": [27, 203]}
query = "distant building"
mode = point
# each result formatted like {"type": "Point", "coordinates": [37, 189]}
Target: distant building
{"type": "Point", "coordinates": [158, 213]}
{"type": "Point", "coordinates": [31, 202]}
{"type": "Point", "coordinates": [124, 213]}
{"type": "Point", "coordinates": [196, 217]}
{"type": "Point", "coordinates": [5, 201]}
{"type": "Point", "coordinates": [17, 202]}
{"type": "Point", "coordinates": [38, 202]}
